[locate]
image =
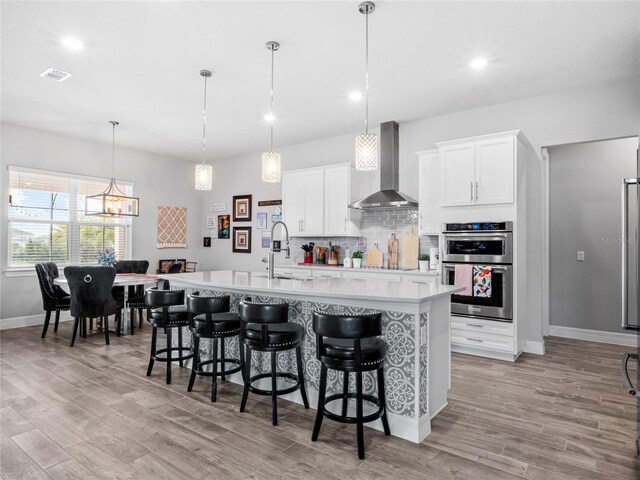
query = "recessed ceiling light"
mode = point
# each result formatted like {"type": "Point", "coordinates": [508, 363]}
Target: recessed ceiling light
{"type": "Point", "coordinates": [478, 63]}
{"type": "Point", "coordinates": [355, 96]}
{"type": "Point", "coordinates": [269, 117]}
{"type": "Point", "coordinates": [72, 43]}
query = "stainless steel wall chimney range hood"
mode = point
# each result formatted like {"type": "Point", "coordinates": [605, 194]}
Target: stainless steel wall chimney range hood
{"type": "Point", "coordinates": [388, 197]}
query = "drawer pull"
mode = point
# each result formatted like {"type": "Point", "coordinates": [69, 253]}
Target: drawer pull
{"type": "Point", "coordinates": [475, 340]}
{"type": "Point", "coordinates": [475, 325]}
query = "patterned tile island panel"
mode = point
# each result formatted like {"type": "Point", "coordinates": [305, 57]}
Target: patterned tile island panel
{"type": "Point", "coordinates": [400, 368]}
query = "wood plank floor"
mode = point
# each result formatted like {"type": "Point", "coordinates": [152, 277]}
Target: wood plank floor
{"type": "Point", "coordinates": [90, 412]}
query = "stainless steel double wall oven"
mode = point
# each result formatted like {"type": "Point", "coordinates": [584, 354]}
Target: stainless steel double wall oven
{"type": "Point", "coordinates": [482, 243]}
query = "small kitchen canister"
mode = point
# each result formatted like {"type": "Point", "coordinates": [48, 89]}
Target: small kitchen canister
{"type": "Point", "coordinates": [434, 258]}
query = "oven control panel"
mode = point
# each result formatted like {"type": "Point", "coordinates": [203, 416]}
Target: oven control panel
{"type": "Point", "coordinates": [478, 227]}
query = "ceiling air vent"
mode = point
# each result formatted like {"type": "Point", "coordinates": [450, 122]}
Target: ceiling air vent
{"type": "Point", "coordinates": [55, 74]}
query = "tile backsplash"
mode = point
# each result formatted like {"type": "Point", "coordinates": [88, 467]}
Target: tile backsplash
{"type": "Point", "coordinates": [376, 227]}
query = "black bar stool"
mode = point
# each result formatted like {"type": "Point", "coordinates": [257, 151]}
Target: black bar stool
{"type": "Point", "coordinates": [209, 317]}
{"type": "Point", "coordinates": [166, 309]}
{"type": "Point", "coordinates": [350, 343]}
{"type": "Point", "coordinates": [266, 328]}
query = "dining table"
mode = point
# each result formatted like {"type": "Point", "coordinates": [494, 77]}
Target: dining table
{"type": "Point", "coordinates": [123, 280]}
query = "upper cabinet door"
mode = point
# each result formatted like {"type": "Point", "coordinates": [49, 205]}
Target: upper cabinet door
{"type": "Point", "coordinates": [313, 190]}
{"type": "Point", "coordinates": [337, 183]}
{"type": "Point", "coordinates": [495, 159]}
{"type": "Point", "coordinates": [293, 201]}
{"type": "Point", "coordinates": [457, 174]}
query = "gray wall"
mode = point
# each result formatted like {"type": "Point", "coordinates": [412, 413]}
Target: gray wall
{"type": "Point", "coordinates": [159, 180]}
{"type": "Point", "coordinates": [584, 214]}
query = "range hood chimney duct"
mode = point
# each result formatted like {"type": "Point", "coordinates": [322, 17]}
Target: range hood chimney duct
{"type": "Point", "coordinates": [389, 196]}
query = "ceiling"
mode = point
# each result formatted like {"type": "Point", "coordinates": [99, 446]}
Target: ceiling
{"type": "Point", "coordinates": [141, 63]}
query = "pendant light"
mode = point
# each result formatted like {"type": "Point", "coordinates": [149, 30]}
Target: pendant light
{"type": "Point", "coordinates": [204, 172]}
{"type": "Point", "coordinates": [113, 202]}
{"type": "Point", "coordinates": [271, 162]}
{"type": "Point", "coordinates": [367, 143]}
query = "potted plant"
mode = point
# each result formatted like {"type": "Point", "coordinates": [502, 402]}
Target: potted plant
{"type": "Point", "coordinates": [357, 259]}
{"type": "Point", "coordinates": [423, 262]}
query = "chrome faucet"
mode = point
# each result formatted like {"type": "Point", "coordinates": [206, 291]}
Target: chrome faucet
{"type": "Point", "coordinates": [273, 250]}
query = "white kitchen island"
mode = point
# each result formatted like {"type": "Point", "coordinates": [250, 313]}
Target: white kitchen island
{"type": "Point", "coordinates": [415, 326]}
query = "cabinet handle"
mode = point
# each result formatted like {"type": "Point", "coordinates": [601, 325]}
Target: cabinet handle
{"type": "Point", "coordinates": [471, 196]}
{"type": "Point", "coordinates": [345, 224]}
{"type": "Point", "coordinates": [475, 340]}
{"type": "Point", "coordinates": [475, 325]}
{"type": "Point", "coordinates": [299, 225]}
{"type": "Point", "coordinates": [302, 224]}
{"type": "Point", "coordinates": [476, 191]}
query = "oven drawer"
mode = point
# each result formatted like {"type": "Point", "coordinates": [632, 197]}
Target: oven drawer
{"type": "Point", "coordinates": [478, 325]}
{"type": "Point", "coordinates": [487, 341]}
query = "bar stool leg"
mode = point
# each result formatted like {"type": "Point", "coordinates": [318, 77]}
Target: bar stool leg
{"type": "Point", "coordinates": [242, 359]}
{"type": "Point", "coordinates": [274, 394]}
{"type": "Point", "coordinates": [152, 357]}
{"type": "Point", "coordinates": [76, 322]}
{"type": "Point", "coordinates": [140, 318]}
{"type": "Point", "coordinates": [345, 393]}
{"type": "Point", "coordinates": [194, 362]}
{"type": "Point", "coordinates": [303, 390]}
{"type": "Point", "coordinates": [180, 346]}
{"type": "Point", "coordinates": [169, 346]}
{"type": "Point", "coordinates": [91, 323]}
{"type": "Point", "coordinates": [383, 401]}
{"type": "Point", "coordinates": [224, 367]}
{"type": "Point", "coordinates": [247, 380]}
{"type": "Point", "coordinates": [132, 318]}
{"type": "Point", "coordinates": [359, 424]}
{"type": "Point", "coordinates": [214, 372]}
{"type": "Point", "coordinates": [321, 397]}
{"type": "Point", "coordinates": [105, 326]}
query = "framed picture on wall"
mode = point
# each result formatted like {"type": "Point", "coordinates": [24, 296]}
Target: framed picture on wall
{"type": "Point", "coordinates": [242, 239]}
{"type": "Point", "coordinates": [223, 226]}
{"type": "Point", "coordinates": [242, 208]}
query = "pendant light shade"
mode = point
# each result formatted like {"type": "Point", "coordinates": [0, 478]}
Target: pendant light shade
{"type": "Point", "coordinates": [367, 143]}
{"type": "Point", "coordinates": [271, 161]}
{"type": "Point", "coordinates": [204, 172]}
{"type": "Point", "coordinates": [271, 167]}
{"type": "Point", "coordinates": [113, 202]}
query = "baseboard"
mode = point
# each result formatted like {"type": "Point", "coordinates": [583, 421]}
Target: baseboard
{"type": "Point", "coordinates": [626, 339]}
{"type": "Point", "coordinates": [536, 348]}
{"type": "Point", "coordinates": [30, 320]}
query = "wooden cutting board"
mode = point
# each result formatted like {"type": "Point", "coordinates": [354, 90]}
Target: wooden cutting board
{"type": "Point", "coordinates": [392, 253]}
{"type": "Point", "coordinates": [374, 257]}
{"type": "Point", "coordinates": [410, 249]}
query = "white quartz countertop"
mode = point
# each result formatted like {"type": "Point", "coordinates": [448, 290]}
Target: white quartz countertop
{"type": "Point", "coordinates": [312, 266]}
{"type": "Point", "coordinates": [308, 286]}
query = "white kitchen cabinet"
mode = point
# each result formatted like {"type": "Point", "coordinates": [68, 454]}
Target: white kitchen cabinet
{"type": "Point", "coordinates": [337, 197]}
{"type": "Point", "coordinates": [302, 200]}
{"type": "Point", "coordinates": [315, 201]}
{"type": "Point", "coordinates": [494, 165]}
{"type": "Point", "coordinates": [457, 174]}
{"type": "Point", "coordinates": [428, 209]}
{"type": "Point", "coordinates": [477, 171]}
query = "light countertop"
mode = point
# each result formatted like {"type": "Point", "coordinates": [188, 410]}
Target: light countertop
{"type": "Point", "coordinates": [308, 286]}
{"type": "Point", "coordinates": [313, 266]}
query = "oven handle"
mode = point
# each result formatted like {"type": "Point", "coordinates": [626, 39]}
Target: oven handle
{"type": "Point", "coordinates": [493, 267]}
{"type": "Point", "coordinates": [625, 373]}
{"type": "Point", "coordinates": [496, 236]}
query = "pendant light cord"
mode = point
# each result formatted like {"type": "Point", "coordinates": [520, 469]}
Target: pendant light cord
{"type": "Point", "coordinates": [366, 75]}
{"type": "Point", "coordinates": [204, 121]}
{"type": "Point", "coordinates": [273, 118]}
{"type": "Point", "coordinates": [113, 150]}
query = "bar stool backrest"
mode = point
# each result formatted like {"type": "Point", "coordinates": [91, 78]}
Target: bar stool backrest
{"type": "Point", "coordinates": [199, 305]}
{"type": "Point", "coordinates": [163, 298]}
{"type": "Point", "coordinates": [347, 327]}
{"type": "Point", "coordinates": [90, 291]}
{"type": "Point", "coordinates": [254, 312]}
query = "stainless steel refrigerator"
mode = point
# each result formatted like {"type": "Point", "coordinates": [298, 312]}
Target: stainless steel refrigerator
{"type": "Point", "coordinates": [631, 283]}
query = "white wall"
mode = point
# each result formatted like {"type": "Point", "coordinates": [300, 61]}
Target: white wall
{"type": "Point", "coordinates": [598, 112]}
{"type": "Point", "coordinates": [159, 180]}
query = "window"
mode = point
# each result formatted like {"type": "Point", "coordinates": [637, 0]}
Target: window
{"type": "Point", "coordinates": [48, 222]}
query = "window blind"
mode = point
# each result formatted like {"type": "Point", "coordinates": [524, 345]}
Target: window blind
{"type": "Point", "coordinates": [48, 222]}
